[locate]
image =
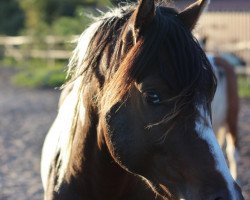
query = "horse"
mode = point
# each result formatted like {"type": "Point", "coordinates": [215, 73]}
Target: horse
{"type": "Point", "coordinates": [134, 120]}
{"type": "Point", "coordinates": [225, 110]}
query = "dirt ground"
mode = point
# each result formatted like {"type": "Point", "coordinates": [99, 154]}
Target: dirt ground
{"type": "Point", "coordinates": [244, 131]}
{"type": "Point", "coordinates": [25, 117]}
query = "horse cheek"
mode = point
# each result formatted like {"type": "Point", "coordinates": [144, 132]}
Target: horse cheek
{"type": "Point", "coordinates": [126, 144]}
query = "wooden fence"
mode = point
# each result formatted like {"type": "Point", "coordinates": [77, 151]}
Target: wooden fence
{"type": "Point", "coordinates": [226, 31]}
{"type": "Point", "coordinates": [23, 47]}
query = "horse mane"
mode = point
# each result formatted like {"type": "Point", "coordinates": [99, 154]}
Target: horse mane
{"type": "Point", "coordinates": [92, 42]}
{"type": "Point", "coordinates": [186, 71]}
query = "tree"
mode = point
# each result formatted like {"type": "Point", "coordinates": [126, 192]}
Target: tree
{"type": "Point", "coordinates": [50, 10]}
{"type": "Point", "coordinates": [53, 9]}
{"type": "Point", "coordinates": [11, 17]}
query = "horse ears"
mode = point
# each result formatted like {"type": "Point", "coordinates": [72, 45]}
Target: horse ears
{"type": "Point", "coordinates": [191, 14]}
{"type": "Point", "coordinates": [142, 16]}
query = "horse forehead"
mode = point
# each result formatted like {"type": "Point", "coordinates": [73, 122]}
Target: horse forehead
{"type": "Point", "coordinates": [150, 80]}
{"type": "Point", "coordinates": [167, 12]}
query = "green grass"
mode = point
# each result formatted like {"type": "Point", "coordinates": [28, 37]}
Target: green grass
{"type": "Point", "coordinates": [244, 86]}
{"type": "Point", "coordinates": [37, 73]}
{"type": "Point", "coordinates": [8, 62]}
{"type": "Point", "coordinates": [40, 78]}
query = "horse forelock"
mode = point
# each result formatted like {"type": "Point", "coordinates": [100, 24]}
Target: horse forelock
{"type": "Point", "coordinates": [186, 70]}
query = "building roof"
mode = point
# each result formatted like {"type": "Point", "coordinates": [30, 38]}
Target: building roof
{"type": "Point", "coordinates": [221, 5]}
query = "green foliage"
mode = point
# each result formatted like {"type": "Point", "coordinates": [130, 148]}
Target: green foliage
{"type": "Point", "coordinates": [53, 9]}
{"type": "Point", "coordinates": [11, 17]}
{"type": "Point", "coordinates": [40, 15]}
{"type": "Point", "coordinates": [8, 62]}
{"type": "Point", "coordinates": [244, 86]}
{"type": "Point", "coordinates": [40, 74]}
{"type": "Point", "coordinates": [71, 25]}
{"type": "Point", "coordinates": [50, 11]}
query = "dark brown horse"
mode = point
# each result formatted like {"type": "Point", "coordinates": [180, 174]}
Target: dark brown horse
{"type": "Point", "coordinates": [134, 121]}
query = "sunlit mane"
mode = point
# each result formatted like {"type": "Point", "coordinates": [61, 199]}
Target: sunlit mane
{"type": "Point", "coordinates": [79, 57]}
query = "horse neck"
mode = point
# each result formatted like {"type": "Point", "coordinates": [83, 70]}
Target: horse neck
{"type": "Point", "coordinates": [91, 168]}
{"type": "Point", "coordinates": [103, 178]}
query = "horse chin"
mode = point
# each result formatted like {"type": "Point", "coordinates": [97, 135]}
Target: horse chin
{"type": "Point", "coordinates": [175, 191]}
{"type": "Point", "coordinates": [167, 193]}
{"type": "Point", "coordinates": [164, 190]}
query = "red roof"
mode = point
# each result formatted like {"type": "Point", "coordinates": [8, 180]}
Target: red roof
{"type": "Point", "coordinates": [222, 5]}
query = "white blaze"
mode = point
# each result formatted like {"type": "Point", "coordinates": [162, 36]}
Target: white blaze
{"type": "Point", "coordinates": [204, 129]}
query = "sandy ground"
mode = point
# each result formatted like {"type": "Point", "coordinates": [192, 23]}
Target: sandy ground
{"type": "Point", "coordinates": [244, 131]}
{"type": "Point", "coordinates": [25, 117]}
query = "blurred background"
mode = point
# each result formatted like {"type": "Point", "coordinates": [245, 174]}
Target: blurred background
{"type": "Point", "coordinates": [36, 41]}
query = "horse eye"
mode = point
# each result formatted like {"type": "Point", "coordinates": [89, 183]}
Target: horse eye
{"type": "Point", "coordinates": [151, 97]}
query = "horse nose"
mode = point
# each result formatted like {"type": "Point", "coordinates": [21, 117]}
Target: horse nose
{"type": "Point", "coordinates": [226, 198]}
{"type": "Point", "coordinates": [219, 196]}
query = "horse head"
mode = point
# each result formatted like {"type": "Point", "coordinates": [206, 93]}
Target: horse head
{"type": "Point", "coordinates": [155, 110]}
{"type": "Point", "coordinates": [142, 99]}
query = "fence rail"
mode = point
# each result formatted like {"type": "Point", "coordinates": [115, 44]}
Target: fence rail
{"type": "Point", "coordinates": [20, 40]}
{"type": "Point", "coordinates": [227, 31]}
{"type": "Point", "coordinates": [13, 47]}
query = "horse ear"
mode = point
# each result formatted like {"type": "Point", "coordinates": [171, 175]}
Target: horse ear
{"type": "Point", "coordinates": [191, 14]}
{"type": "Point", "coordinates": [142, 16]}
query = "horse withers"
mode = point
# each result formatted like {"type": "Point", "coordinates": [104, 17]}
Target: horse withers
{"type": "Point", "coordinates": [135, 119]}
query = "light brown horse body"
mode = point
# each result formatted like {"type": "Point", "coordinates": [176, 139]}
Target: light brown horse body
{"type": "Point", "coordinates": [225, 109]}
{"type": "Point", "coordinates": [134, 122]}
